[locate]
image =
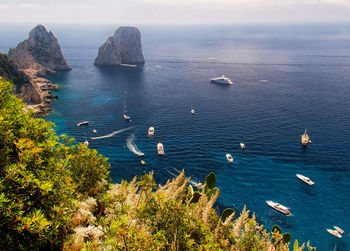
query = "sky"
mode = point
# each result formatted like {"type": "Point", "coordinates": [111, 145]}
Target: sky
{"type": "Point", "coordinates": [174, 11]}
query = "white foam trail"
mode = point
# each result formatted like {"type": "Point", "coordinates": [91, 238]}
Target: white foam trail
{"type": "Point", "coordinates": [192, 182]}
{"type": "Point", "coordinates": [131, 145]}
{"type": "Point", "coordinates": [113, 133]}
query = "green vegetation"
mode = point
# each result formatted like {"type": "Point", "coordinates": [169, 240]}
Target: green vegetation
{"type": "Point", "coordinates": [10, 72]}
{"type": "Point", "coordinates": [56, 195]}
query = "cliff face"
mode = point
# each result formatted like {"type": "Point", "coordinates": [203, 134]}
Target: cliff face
{"type": "Point", "coordinates": [41, 49]}
{"type": "Point", "coordinates": [34, 58]}
{"type": "Point", "coordinates": [23, 87]}
{"type": "Point", "coordinates": [123, 48]}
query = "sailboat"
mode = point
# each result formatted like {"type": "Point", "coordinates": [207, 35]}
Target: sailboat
{"type": "Point", "coordinates": [305, 138]}
{"type": "Point", "coordinates": [126, 117]}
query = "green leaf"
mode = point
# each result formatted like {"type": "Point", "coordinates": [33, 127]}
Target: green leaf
{"type": "Point", "coordinates": [210, 180]}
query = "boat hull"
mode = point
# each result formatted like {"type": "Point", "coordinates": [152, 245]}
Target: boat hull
{"type": "Point", "coordinates": [83, 123]}
{"type": "Point", "coordinates": [305, 179]}
{"type": "Point", "coordinates": [279, 208]}
{"type": "Point", "coordinates": [334, 233]}
{"type": "Point", "coordinates": [160, 149]}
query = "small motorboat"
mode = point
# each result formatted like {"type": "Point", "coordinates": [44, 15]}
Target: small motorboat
{"type": "Point", "coordinates": [94, 131]}
{"type": "Point", "coordinates": [192, 111]}
{"type": "Point", "coordinates": [160, 148]}
{"type": "Point", "coordinates": [83, 123]}
{"type": "Point", "coordinates": [143, 162]}
{"type": "Point", "coordinates": [109, 99]}
{"type": "Point", "coordinates": [229, 158]}
{"type": "Point", "coordinates": [305, 139]}
{"type": "Point", "coordinates": [126, 117]}
{"type": "Point", "coordinates": [221, 80]}
{"type": "Point", "coordinates": [86, 142]}
{"type": "Point", "coordinates": [242, 145]}
{"type": "Point", "coordinates": [151, 131]}
{"type": "Point", "coordinates": [278, 207]}
{"type": "Point", "coordinates": [341, 231]}
{"type": "Point", "coordinates": [334, 233]}
{"type": "Point", "coordinates": [305, 179]}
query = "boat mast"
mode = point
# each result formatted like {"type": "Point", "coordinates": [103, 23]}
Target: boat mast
{"type": "Point", "coordinates": [124, 103]}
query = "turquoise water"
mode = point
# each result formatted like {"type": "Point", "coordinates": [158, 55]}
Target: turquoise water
{"type": "Point", "coordinates": [307, 73]}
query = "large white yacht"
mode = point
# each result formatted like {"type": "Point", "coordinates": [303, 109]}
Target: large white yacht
{"type": "Point", "coordinates": [222, 80]}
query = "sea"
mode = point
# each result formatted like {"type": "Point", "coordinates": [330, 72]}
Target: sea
{"type": "Point", "coordinates": [287, 78]}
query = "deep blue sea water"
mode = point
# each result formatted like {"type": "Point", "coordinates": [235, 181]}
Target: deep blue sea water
{"type": "Point", "coordinates": [307, 69]}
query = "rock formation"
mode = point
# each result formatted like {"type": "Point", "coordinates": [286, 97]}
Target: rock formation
{"type": "Point", "coordinates": [22, 86]}
{"type": "Point", "coordinates": [123, 48]}
{"type": "Point", "coordinates": [40, 50]}
{"type": "Point", "coordinates": [36, 57]}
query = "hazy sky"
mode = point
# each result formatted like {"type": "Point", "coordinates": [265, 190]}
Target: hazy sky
{"type": "Point", "coordinates": [174, 11]}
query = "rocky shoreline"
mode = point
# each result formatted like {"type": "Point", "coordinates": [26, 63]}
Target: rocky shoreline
{"type": "Point", "coordinates": [43, 87]}
{"type": "Point", "coordinates": [37, 56]}
{"type": "Point", "coordinates": [40, 54]}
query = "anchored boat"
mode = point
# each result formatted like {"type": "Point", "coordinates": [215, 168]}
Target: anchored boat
{"type": "Point", "coordinates": [305, 179]}
{"type": "Point", "coordinates": [334, 233]}
{"type": "Point", "coordinates": [222, 80]}
{"type": "Point", "coordinates": [160, 148]}
{"type": "Point", "coordinates": [341, 231]}
{"type": "Point", "coordinates": [151, 131]}
{"type": "Point", "coordinates": [278, 207]}
{"type": "Point", "coordinates": [83, 123]}
{"type": "Point", "coordinates": [86, 142]}
{"type": "Point", "coordinates": [305, 139]}
{"type": "Point", "coordinates": [192, 111]}
{"type": "Point", "coordinates": [242, 145]}
{"type": "Point", "coordinates": [229, 158]}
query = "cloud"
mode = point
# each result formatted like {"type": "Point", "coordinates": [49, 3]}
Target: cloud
{"type": "Point", "coordinates": [256, 3]}
{"type": "Point", "coordinates": [30, 6]}
{"type": "Point", "coordinates": [22, 6]}
{"type": "Point", "coordinates": [174, 11]}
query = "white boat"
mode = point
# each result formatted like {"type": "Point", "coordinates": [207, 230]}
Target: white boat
{"type": "Point", "coordinates": [221, 80]}
{"type": "Point", "coordinates": [143, 162]}
{"type": "Point", "coordinates": [83, 123]}
{"type": "Point", "coordinates": [126, 117]}
{"type": "Point", "coordinates": [341, 231]}
{"type": "Point", "coordinates": [86, 142]}
{"type": "Point", "coordinates": [160, 148]}
{"type": "Point", "coordinates": [334, 232]}
{"type": "Point", "coordinates": [278, 207]}
{"type": "Point", "coordinates": [229, 158]}
{"type": "Point", "coordinates": [129, 65]}
{"type": "Point", "coordinates": [94, 131]}
{"type": "Point", "coordinates": [192, 111]}
{"type": "Point", "coordinates": [151, 131]}
{"type": "Point", "coordinates": [242, 145]}
{"type": "Point", "coordinates": [305, 179]}
{"type": "Point", "coordinates": [305, 139]}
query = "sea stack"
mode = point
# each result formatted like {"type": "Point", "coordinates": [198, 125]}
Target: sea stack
{"type": "Point", "coordinates": [40, 51]}
{"type": "Point", "coordinates": [123, 48]}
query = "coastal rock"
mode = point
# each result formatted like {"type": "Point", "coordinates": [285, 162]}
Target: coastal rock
{"type": "Point", "coordinates": [23, 86]}
{"type": "Point", "coordinates": [34, 58]}
{"type": "Point", "coordinates": [41, 51]}
{"type": "Point", "coordinates": [123, 48]}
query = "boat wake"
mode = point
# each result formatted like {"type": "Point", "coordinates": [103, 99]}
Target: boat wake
{"type": "Point", "coordinates": [113, 133]}
{"type": "Point", "coordinates": [131, 145]}
{"type": "Point", "coordinates": [191, 181]}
